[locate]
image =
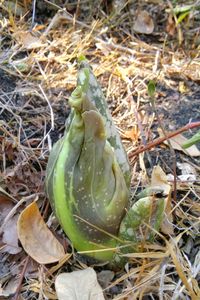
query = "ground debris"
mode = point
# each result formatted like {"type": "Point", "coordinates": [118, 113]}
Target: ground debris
{"type": "Point", "coordinates": [38, 64]}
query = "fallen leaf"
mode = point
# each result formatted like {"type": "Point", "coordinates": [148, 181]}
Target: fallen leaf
{"type": "Point", "coordinates": [105, 277]}
{"type": "Point", "coordinates": [117, 6]}
{"type": "Point", "coordinates": [28, 40]}
{"type": "Point", "coordinates": [8, 230]}
{"type": "Point", "coordinates": [36, 238]}
{"type": "Point", "coordinates": [187, 177]}
{"type": "Point", "coordinates": [132, 134]}
{"type": "Point", "coordinates": [10, 238]}
{"type": "Point", "coordinates": [32, 270]}
{"type": "Point", "coordinates": [193, 140]}
{"type": "Point", "coordinates": [182, 182]}
{"type": "Point", "coordinates": [182, 87]}
{"type": "Point", "coordinates": [5, 206]}
{"type": "Point", "coordinates": [177, 142]}
{"type": "Point", "coordinates": [78, 285]}
{"type": "Point", "coordinates": [186, 169]}
{"type": "Point", "coordinates": [143, 23]}
{"type": "Point", "coordinates": [105, 49]}
{"type": "Point", "coordinates": [159, 181]}
{"type": "Point", "coordinates": [10, 288]}
{"type": "Point", "coordinates": [171, 26]}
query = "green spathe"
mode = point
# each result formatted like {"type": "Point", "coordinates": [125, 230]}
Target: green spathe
{"type": "Point", "coordinates": [88, 82]}
{"type": "Point", "coordinates": [88, 178]}
{"type": "Point", "coordinates": [86, 186]}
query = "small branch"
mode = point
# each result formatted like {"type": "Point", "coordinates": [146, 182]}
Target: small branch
{"type": "Point", "coordinates": [33, 14]}
{"type": "Point", "coordinates": [16, 297]}
{"type": "Point", "coordinates": [160, 140]}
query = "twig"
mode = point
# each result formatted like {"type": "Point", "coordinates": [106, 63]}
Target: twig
{"type": "Point", "coordinates": [160, 140]}
{"type": "Point", "coordinates": [16, 297]}
{"type": "Point", "coordinates": [156, 62]}
{"type": "Point", "coordinates": [52, 116]}
{"type": "Point", "coordinates": [33, 14]}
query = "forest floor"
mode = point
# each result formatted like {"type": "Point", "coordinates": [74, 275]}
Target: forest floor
{"type": "Point", "coordinates": [128, 44]}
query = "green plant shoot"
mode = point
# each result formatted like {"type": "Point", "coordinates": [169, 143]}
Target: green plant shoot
{"type": "Point", "coordinates": [88, 180]}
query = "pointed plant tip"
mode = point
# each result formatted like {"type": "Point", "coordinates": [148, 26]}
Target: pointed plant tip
{"type": "Point", "coordinates": [81, 58]}
{"type": "Point", "coordinates": [151, 88]}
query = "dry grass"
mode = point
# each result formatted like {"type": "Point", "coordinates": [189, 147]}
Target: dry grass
{"type": "Point", "coordinates": [42, 67]}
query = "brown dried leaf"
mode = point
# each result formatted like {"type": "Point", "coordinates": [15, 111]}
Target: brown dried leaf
{"type": "Point", "coordinates": [8, 228]}
{"type": "Point", "coordinates": [105, 49]}
{"type": "Point", "coordinates": [159, 180]}
{"type": "Point", "coordinates": [5, 206]}
{"type": "Point", "coordinates": [28, 40]}
{"type": "Point", "coordinates": [171, 26]}
{"type": "Point", "coordinates": [36, 238]}
{"type": "Point", "coordinates": [182, 87]}
{"type": "Point", "coordinates": [10, 288]}
{"type": "Point", "coordinates": [105, 277]}
{"type": "Point", "coordinates": [10, 238]}
{"type": "Point", "coordinates": [78, 285]}
{"type": "Point", "coordinates": [143, 23]}
{"type": "Point", "coordinates": [177, 143]}
{"type": "Point", "coordinates": [132, 134]}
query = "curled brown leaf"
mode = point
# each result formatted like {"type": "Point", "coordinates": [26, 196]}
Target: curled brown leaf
{"type": "Point", "coordinates": [36, 238]}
